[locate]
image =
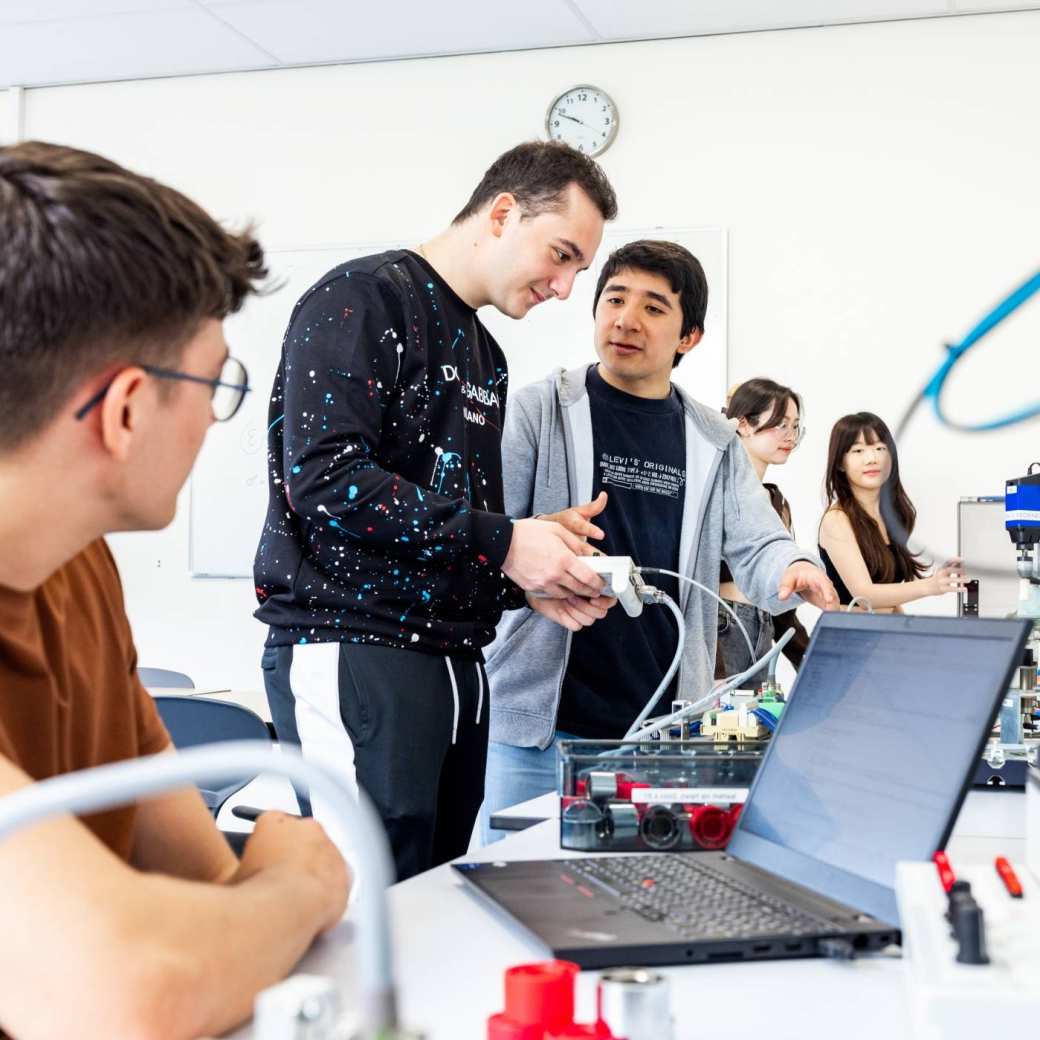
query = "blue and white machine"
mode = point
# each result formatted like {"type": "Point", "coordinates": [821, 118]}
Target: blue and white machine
{"type": "Point", "coordinates": [1022, 521]}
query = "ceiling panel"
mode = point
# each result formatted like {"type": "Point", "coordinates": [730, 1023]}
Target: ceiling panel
{"type": "Point", "coordinates": [50, 10]}
{"type": "Point", "coordinates": [123, 46]}
{"type": "Point", "coordinates": [331, 30]}
{"type": "Point", "coordinates": [70, 41]}
{"type": "Point", "coordinates": [621, 19]}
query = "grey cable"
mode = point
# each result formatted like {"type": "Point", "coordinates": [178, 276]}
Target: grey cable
{"type": "Point", "coordinates": [710, 592]}
{"type": "Point", "coordinates": [93, 790]}
{"type": "Point", "coordinates": [657, 596]}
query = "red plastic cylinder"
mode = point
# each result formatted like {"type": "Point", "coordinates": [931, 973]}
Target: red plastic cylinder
{"type": "Point", "coordinates": [539, 1000]}
{"type": "Point", "coordinates": [626, 785]}
{"type": "Point", "coordinates": [599, 1031]}
{"type": "Point", "coordinates": [710, 826]}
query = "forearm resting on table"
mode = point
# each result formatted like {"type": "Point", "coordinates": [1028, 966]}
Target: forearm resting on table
{"type": "Point", "coordinates": [95, 949]}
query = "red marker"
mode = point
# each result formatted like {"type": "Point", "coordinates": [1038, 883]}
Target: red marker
{"type": "Point", "coordinates": [946, 874]}
{"type": "Point", "coordinates": [1009, 877]}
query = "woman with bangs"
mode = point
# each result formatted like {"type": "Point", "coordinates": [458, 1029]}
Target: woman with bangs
{"type": "Point", "coordinates": [868, 567]}
{"type": "Point", "coordinates": [769, 425]}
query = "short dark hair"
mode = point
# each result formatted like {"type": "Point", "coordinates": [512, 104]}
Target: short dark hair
{"type": "Point", "coordinates": [538, 173]}
{"type": "Point", "coordinates": [673, 262]}
{"type": "Point", "coordinates": [100, 266]}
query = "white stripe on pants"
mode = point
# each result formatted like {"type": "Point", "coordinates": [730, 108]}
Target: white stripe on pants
{"type": "Point", "coordinates": [314, 681]}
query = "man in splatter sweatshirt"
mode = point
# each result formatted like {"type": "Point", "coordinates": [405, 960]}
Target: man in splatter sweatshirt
{"type": "Point", "coordinates": [387, 558]}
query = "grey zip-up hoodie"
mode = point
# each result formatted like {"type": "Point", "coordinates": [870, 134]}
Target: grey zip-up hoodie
{"type": "Point", "coordinates": [548, 465]}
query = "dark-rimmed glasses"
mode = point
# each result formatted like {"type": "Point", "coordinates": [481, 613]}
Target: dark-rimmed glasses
{"type": "Point", "coordinates": [228, 390]}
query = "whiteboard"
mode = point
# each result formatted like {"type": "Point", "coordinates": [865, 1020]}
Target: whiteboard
{"type": "Point", "coordinates": [228, 500]}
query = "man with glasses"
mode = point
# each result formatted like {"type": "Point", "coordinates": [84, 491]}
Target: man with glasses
{"type": "Point", "coordinates": [113, 288]}
{"type": "Point", "coordinates": [227, 391]}
{"type": "Point", "coordinates": [672, 488]}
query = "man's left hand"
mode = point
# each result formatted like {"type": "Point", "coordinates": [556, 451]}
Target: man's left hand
{"type": "Point", "coordinates": [810, 583]}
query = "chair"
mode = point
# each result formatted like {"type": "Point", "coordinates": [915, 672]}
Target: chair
{"type": "Point", "coordinates": [165, 679]}
{"type": "Point", "coordinates": [192, 721]}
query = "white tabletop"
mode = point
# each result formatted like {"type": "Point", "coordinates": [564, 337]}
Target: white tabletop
{"type": "Point", "coordinates": [451, 950]}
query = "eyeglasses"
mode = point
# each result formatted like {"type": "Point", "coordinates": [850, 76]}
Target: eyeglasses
{"type": "Point", "coordinates": [785, 429]}
{"type": "Point", "coordinates": [228, 390]}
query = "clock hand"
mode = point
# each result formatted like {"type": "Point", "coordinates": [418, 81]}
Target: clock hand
{"type": "Point", "coordinates": [563, 115]}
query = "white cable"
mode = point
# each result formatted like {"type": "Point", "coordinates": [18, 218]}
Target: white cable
{"type": "Point", "coordinates": [94, 790]}
{"type": "Point", "coordinates": [714, 693]}
{"type": "Point", "coordinates": [714, 595]}
{"type": "Point", "coordinates": [859, 599]}
{"type": "Point", "coordinates": [657, 596]}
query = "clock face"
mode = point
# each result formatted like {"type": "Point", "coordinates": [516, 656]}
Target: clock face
{"type": "Point", "coordinates": [585, 118]}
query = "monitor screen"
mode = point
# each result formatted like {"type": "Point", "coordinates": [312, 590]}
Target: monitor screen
{"type": "Point", "coordinates": [870, 761]}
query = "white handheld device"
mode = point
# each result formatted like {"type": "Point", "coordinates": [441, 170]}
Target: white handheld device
{"type": "Point", "coordinates": [620, 579]}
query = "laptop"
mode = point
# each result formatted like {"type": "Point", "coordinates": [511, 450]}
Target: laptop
{"type": "Point", "coordinates": [869, 765]}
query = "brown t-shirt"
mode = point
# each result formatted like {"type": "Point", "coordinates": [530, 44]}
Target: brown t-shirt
{"type": "Point", "coordinates": [69, 693]}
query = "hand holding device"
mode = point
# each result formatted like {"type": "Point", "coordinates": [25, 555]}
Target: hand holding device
{"type": "Point", "coordinates": [543, 558]}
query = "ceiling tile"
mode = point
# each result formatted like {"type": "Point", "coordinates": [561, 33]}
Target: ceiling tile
{"type": "Point", "coordinates": [124, 46]}
{"type": "Point", "coordinates": [330, 30]}
{"type": "Point", "coordinates": [621, 19]}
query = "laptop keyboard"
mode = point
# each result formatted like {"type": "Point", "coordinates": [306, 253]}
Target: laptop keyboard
{"type": "Point", "coordinates": [694, 899]}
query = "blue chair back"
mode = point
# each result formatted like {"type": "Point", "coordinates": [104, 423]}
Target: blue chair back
{"type": "Point", "coordinates": [192, 721]}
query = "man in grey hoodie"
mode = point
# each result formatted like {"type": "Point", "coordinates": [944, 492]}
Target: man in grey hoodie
{"type": "Point", "coordinates": [668, 484]}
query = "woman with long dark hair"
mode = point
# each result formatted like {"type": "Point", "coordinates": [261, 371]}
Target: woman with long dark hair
{"type": "Point", "coordinates": [770, 428]}
{"type": "Point", "coordinates": [864, 563]}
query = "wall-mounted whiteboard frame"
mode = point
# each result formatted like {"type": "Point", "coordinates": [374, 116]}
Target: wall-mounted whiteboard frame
{"type": "Point", "coordinates": [228, 498]}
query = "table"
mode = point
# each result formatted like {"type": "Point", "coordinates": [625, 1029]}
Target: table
{"type": "Point", "coordinates": [451, 950]}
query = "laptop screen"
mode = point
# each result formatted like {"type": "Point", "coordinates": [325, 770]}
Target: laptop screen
{"type": "Point", "coordinates": [871, 759]}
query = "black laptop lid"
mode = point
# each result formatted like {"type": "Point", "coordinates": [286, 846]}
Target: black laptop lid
{"type": "Point", "coordinates": [875, 750]}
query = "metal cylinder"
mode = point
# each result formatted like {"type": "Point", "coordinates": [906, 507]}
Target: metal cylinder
{"type": "Point", "coordinates": [625, 818]}
{"type": "Point", "coordinates": [581, 825]}
{"type": "Point", "coordinates": [635, 1003]}
{"type": "Point", "coordinates": [602, 784]}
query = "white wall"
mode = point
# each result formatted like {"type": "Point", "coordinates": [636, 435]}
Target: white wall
{"type": "Point", "coordinates": [11, 114]}
{"type": "Point", "coordinates": [878, 183]}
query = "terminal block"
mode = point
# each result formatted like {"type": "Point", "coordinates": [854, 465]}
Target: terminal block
{"type": "Point", "coordinates": [737, 722]}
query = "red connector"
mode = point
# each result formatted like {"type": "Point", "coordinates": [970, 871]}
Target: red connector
{"type": "Point", "coordinates": [540, 1005]}
{"type": "Point", "coordinates": [626, 785]}
{"type": "Point", "coordinates": [710, 825]}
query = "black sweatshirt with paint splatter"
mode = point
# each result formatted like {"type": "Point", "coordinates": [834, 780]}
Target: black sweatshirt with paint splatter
{"type": "Point", "coordinates": [385, 521]}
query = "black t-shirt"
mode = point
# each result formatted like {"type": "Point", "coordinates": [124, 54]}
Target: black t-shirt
{"type": "Point", "coordinates": [386, 521]}
{"type": "Point", "coordinates": [615, 665]}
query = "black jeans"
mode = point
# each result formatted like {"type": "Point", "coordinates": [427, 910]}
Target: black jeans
{"type": "Point", "coordinates": [413, 727]}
